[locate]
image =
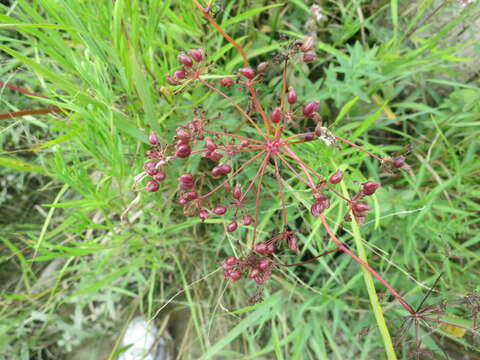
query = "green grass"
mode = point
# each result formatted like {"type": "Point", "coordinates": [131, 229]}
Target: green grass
{"type": "Point", "coordinates": [65, 179]}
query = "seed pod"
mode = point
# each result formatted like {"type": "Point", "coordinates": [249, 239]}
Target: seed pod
{"type": "Point", "coordinates": [219, 210]}
{"type": "Point", "coordinates": [309, 56]}
{"type": "Point", "coordinates": [152, 138]}
{"type": "Point", "coordinates": [210, 145]}
{"type": "Point", "coordinates": [311, 108]}
{"type": "Point", "coordinates": [183, 135]}
{"type": "Point", "coordinates": [399, 162]}
{"type": "Point", "coordinates": [172, 81]}
{"type": "Point", "coordinates": [215, 156]}
{"type": "Point", "coordinates": [336, 178]}
{"type": "Point", "coordinates": [225, 168]}
{"type": "Point", "coordinates": [196, 54]}
{"type": "Point", "coordinates": [160, 176]}
{"type": "Point", "coordinates": [254, 273]}
{"type": "Point", "coordinates": [270, 248]}
{"type": "Point", "coordinates": [247, 72]}
{"type": "Point", "coordinates": [185, 60]}
{"type": "Point", "coordinates": [237, 191]}
{"type": "Point", "coordinates": [292, 96]}
{"type": "Point", "coordinates": [292, 243]}
{"type": "Point", "coordinates": [261, 248]}
{"type": "Point", "coordinates": [186, 185]}
{"type": "Point", "coordinates": [277, 115]}
{"type": "Point", "coordinates": [308, 44]}
{"type": "Point", "coordinates": [152, 186]}
{"type": "Point", "coordinates": [183, 150]}
{"type": "Point", "coordinates": [179, 74]}
{"type": "Point", "coordinates": [203, 214]}
{"type": "Point", "coordinates": [190, 196]}
{"type": "Point", "coordinates": [317, 208]}
{"type": "Point", "coordinates": [370, 187]}
{"type": "Point", "coordinates": [187, 177]}
{"type": "Point", "coordinates": [231, 260]}
{"type": "Point", "coordinates": [226, 82]}
{"type": "Point", "coordinates": [264, 264]}
{"type": "Point", "coordinates": [359, 206]}
{"type": "Point", "coordinates": [217, 171]}
{"type": "Point", "coordinates": [235, 275]}
{"type": "Point", "coordinates": [246, 219]}
{"type": "Point", "coordinates": [232, 226]}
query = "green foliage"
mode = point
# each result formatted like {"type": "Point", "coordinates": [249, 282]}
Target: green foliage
{"type": "Point", "coordinates": [73, 270]}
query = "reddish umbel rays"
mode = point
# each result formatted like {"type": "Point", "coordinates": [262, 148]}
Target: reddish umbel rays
{"type": "Point", "coordinates": [271, 152]}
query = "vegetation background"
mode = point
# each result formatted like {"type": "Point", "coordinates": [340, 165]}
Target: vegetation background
{"type": "Point", "coordinates": [390, 74]}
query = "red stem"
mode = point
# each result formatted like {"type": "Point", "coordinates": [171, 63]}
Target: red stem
{"type": "Point", "coordinates": [257, 197]}
{"type": "Point", "coordinates": [233, 135]}
{"type": "Point", "coordinates": [365, 266]}
{"type": "Point", "coordinates": [10, 115]}
{"type": "Point", "coordinates": [280, 191]}
{"type": "Point", "coordinates": [358, 147]}
{"type": "Point", "coordinates": [23, 91]}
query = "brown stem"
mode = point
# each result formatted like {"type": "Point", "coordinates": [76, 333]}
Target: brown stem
{"type": "Point", "coordinates": [314, 258]}
{"type": "Point", "coordinates": [258, 106]}
{"type": "Point", "coordinates": [233, 135]}
{"type": "Point", "coordinates": [365, 265]}
{"type": "Point", "coordinates": [23, 91]}
{"type": "Point", "coordinates": [280, 191]}
{"type": "Point", "coordinates": [358, 147]}
{"type": "Point", "coordinates": [235, 105]}
{"type": "Point", "coordinates": [224, 34]}
{"type": "Point", "coordinates": [10, 115]}
{"type": "Point", "coordinates": [257, 198]}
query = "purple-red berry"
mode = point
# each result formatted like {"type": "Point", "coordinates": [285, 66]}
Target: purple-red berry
{"type": "Point", "coordinates": [370, 187]}
{"type": "Point", "coordinates": [227, 82]}
{"type": "Point", "coordinates": [246, 219]}
{"type": "Point", "coordinates": [180, 74]}
{"type": "Point", "coordinates": [292, 96]}
{"type": "Point", "coordinates": [196, 54]}
{"type": "Point", "coordinates": [183, 135]}
{"type": "Point", "coordinates": [310, 109]}
{"type": "Point", "coordinates": [152, 186]}
{"type": "Point", "coordinates": [360, 207]}
{"type": "Point", "coordinates": [292, 243]}
{"type": "Point", "coordinates": [247, 72]}
{"type": "Point", "coordinates": [277, 115]}
{"type": "Point", "coordinates": [185, 60]}
{"type": "Point", "coordinates": [232, 226]}
{"type": "Point", "coordinates": [309, 56]}
{"type": "Point", "coordinates": [187, 177]}
{"type": "Point", "coordinates": [336, 178]}
{"type": "Point", "coordinates": [219, 210]}
{"type": "Point", "coordinates": [160, 176]}
{"type": "Point", "coordinates": [399, 162]}
{"type": "Point", "coordinates": [152, 138]}
{"type": "Point", "coordinates": [317, 208]}
{"type": "Point", "coordinates": [237, 191]}
{"type": "Point", "coordinates": [225, 168]}
{"type": "Point", "coordinates": [203, 214]}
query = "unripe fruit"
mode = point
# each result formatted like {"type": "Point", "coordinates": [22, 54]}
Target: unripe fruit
{"type": "Point", "coordinates": [226, 82]}
{"type": "Point", "coordinates": [317, 208]}
{"type": "Point", "coordinates": [183, 135]}
{"type": "Point", "coordinates": [190, 196]}
{"type": "Point", "coordinates": [247, 72]}
{"type": "Point", "coordinates": [277, 115]}
{"type": "Point", "coordinates": [336, 178]}
{"type": "Point", "coordinates": [196, 54]}
{"type": "Point", "coordinates": [219, 210]}
{"type": "Point", "coordinates": [262, 248]}
{"type": "Point", "coordinates": [399, 162]}
{"type": "Point", "coordinates": [186, 185]}
{"type": "Point", "coordinates": [292, 96]}
{"type": "Point", "coordinates": [152, 186]}
{"type": "Point", "coordinates": [152, 138]}
{"type": "Point", "coordinates": [311, 108]}
{"type": "Point", "coordinates": [246, 219]}
{"type": "Point", "coordinates": [370, 187]}
{"type": "Point", "coordinates": [254, 273]}
{"type": "Point", "coordinates": [360, 206]}
{"type": "Point", "coordinates": [160, 176]}
{"type": "Point", "coordinates": [307, 45]}
{"type": "Point", "coordinates": [237, 191]}
{"type": "Point", "coordinates": [185, 60]}
{"type": "Point", "coordinates": [216, 171]}
{"type": "Point", "coordinates": [293, 243]}
{"type": "Point", "coordinates": [203, 214]}
{"type": "Point", "coordinates": [225, 168]}
{"type": "Point", "coordinates": [179, 74]}
{"type": "Point", "coordinates": [309, 56]}
{"type": "Point", "coordinates": [210, 145]}
{"type": "Point", "coordinates": [235, 275]}
{"type": "Point", "coordinates": [264, 264]}
{"type": "Point", "coordinates": [232, 226]}
{"type": "Point", "coordinates": [231, 260]}
{"type": "Point", "coordinates": [187, 177]}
